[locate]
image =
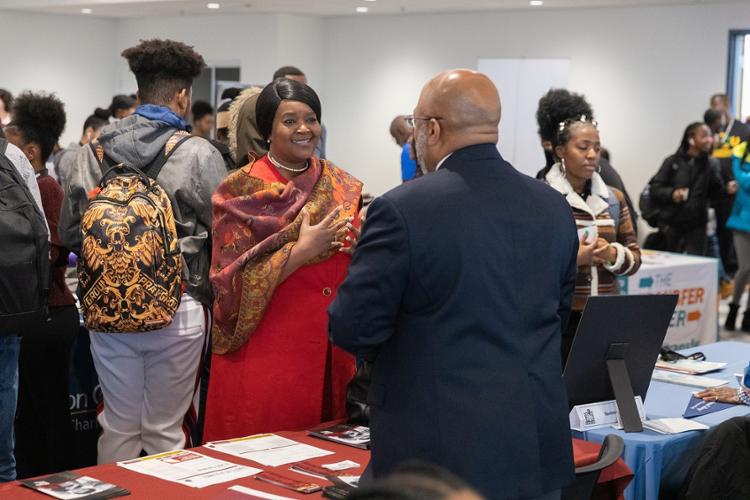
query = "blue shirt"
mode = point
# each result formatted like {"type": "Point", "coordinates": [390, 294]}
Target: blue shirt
{"type": "Point", "coordinates": [408, 166]}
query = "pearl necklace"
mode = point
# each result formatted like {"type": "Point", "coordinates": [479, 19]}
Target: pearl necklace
{"type": "Point", "coordinates": [278, 164]}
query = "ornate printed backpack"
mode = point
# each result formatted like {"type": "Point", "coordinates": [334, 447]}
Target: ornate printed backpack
{"type": "Point", "coordinates": [130, 270]}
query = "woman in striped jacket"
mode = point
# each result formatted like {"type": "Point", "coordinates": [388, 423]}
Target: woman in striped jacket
{"type": "Point", "coordinates": [608, 247]}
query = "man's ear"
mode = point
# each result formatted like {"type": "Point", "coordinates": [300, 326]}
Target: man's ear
{"type": "Point", "coordinates": [435, 131]}
{"type": "Point", "coordinates": [183, 101]}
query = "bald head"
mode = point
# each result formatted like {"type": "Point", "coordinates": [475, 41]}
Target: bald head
{"type": "Point", "coordinates": [464, 109]}
{"type": "Point", "coordinates": [400, 131]}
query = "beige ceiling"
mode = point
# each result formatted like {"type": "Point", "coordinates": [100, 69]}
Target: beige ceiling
{"type": "Point", "coordinates": [140, 8]}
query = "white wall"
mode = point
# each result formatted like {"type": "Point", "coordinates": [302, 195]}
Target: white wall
{"type": "Point", "coordinates": [71, 56]}
{"type": "Point", "coordinates": [259, 43]}
{"type": "Point", "coordinates": [648, 72]}
{"type": "Point", "coordinates": [249, 40]}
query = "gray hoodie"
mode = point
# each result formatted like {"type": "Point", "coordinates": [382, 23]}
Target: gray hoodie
{"type": "Point", "coordinates": [189, 178]}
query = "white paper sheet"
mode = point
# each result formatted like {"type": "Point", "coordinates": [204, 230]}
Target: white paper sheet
{"type": "Point", "coordinates": [346, 464]}
{"type": "Point", "coordinates": [674, 425]}
{"type": "Point", "coordinates": [188, 468]}
{"type": "Point", "coordinates": [268, 449]}
{"type": "Point", "coordinates": [690, 366]}
{"type": "Point", "coordinates": [691, 380]}
{"type": "Point", "coordinates": [257, 493]}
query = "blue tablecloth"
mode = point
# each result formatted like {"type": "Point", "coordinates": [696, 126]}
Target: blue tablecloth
{"type": "Point", "coordinates": [661, 461]}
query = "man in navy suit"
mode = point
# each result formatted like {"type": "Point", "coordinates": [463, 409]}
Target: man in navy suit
{"type": "Point", "coordinates": [458, 291]}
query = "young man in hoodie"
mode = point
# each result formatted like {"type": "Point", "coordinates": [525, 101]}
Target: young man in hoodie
{"type": "Point", "coordinates": [148, 379]}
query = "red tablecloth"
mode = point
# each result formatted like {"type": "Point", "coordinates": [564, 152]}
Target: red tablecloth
{"type": "Point", "coordinates": [614, 478]}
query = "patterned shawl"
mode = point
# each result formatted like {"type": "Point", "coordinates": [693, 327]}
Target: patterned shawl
{"type": "Point", "coordinates": [255, 225]}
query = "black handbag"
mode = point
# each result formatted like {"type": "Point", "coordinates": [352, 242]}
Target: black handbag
{"type": "Point", "coordinates": [356, 395]}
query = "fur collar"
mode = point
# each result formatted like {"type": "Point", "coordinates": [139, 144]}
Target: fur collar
{"type": "Point", "coordinates": [593, 205]}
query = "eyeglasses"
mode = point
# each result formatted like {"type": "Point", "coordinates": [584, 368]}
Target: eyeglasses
{"type": "Point", "coordinates": [411, 120]}
{"type": "Point", "coordinates": [672, 356]}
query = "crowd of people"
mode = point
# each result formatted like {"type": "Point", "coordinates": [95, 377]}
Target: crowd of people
{"type": "Point", "coordinates": [232, 279]}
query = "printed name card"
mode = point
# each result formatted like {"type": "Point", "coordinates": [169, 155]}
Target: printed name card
{"type": "Point", "coordinates": [593, 415]}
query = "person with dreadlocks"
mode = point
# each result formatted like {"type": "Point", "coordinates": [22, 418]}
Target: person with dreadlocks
{"type": "Point", "coordinates": [683, 186]}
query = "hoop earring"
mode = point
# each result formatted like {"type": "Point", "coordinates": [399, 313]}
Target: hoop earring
{"type": "Point", "coordinates": [562, 166]}
{"type": "Point", "coordinates": [599, 168]}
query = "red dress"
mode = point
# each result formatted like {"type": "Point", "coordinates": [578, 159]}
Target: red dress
{"type": "Point", "coordinates": [287, 376]}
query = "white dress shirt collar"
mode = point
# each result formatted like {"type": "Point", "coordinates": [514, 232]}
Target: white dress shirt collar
{"type": "Point", "coordinates": [440, 163]}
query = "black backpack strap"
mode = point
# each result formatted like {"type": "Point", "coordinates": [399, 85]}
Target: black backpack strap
{"type": "Point", "coordinates": [154, 168]}
{"type": "Point", "coordinates": [3, 145]}
{"type": "Point", "coordinates": [105, 162]}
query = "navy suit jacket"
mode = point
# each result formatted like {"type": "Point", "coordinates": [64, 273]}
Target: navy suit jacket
{"type": "Point", "coordinates": [458, 291]}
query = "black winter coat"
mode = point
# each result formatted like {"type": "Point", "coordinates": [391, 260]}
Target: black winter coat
{"type": "Point", "coordinates": [700, 175]}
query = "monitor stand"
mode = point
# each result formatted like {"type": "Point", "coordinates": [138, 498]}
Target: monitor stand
{"type": "Point", "coordinates": [622, 388]}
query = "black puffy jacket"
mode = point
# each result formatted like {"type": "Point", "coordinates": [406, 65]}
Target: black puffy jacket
{"type": "Point", "coordinates": [700, 175]}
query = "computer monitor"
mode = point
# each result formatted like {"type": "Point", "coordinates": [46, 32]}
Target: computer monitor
{"type": "Point", "coordinates": [615, 349]}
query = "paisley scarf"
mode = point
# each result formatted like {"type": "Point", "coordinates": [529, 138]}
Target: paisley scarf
{"type": "Point", "coordinates": [255, 225]}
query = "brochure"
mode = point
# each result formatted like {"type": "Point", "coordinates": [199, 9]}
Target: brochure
{"type": "Point", "coordinates": [268, 449]}
{"type": "Point", "coordinates": [69, 486]}
{"type": "Point", "coordinates": [288, 483]}
{"type": "Point", "coordinates": [698, 407]}
{"type": "Point", "coordinates": [357, 436]}
{"type": "Point", "coordinates": [188, 468]}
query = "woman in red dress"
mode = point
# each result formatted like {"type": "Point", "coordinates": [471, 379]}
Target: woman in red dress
{"type": "Point", "coordinates": [283, 229]}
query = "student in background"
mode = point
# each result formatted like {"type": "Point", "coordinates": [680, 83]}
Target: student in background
{"type": "Point", "coordinates": [739, 223]}
{"type": "Point", "coordinates": [246, 143]}
{"type": "Point", "coordinates": [121, 107]}
{"type": "Point", "coordinates": [720, 243]}
{"type": "Point", "coordinates": [203, 119]}
{"type": "Point", "coordinates": [203, 124]}
{"type": "Point", "coordinates": [6, 106]}
{"type": "Point", "coordinates": [684, 185]}
{"type": "Point", "coordinates": [222, 123]}
{"type": "Point", "coordinates": [728, 133]}
{"type": "Point", "coordinates": [43, 428]}
{"type": "Point", "coordinates": [402, 133]}
{"type": "Point", "coordinates": [10, 344]}
{"type": "Point", "coordinates": [91, 129]}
